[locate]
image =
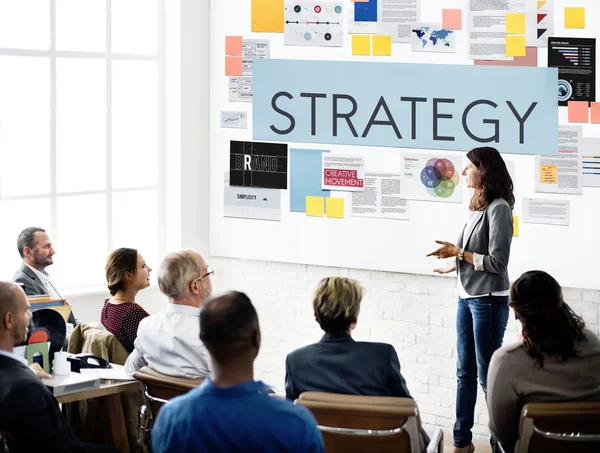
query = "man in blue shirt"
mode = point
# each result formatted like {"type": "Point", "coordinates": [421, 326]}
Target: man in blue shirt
{"type": "Point", "coordinates": [231, 412]}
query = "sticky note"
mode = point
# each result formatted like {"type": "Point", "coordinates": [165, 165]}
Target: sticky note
{"type": "Point", "coordinates": [315, 206]}
{"type": "Point", "coordinates": [595, 112]}
{"type": "Point", "coordinates": [515, 23]}
{"type": "Point", "coordinates": [361, 45]}
{"type": "Point", "coordinates": [267, 16]}
{"type": "Point", "coordinates": [515, 46]}
{"type": "Point", "coordinates": [548, 174]}
{"type": "Point", "coordinates": [452, 19]}
{"type": "Point", "coordinates": [382, 45]}
{"type": "Point", "coordinates": [578, 111]}
{"type": "Point", "coordinates": [515, 226]}
{"type": "Point", "coordinates": [233, 45]}
{"type": "Point", "coordinates": [574, 17]}
{"type": "Point", "coordinates": [334, 207]}
{"type": "Point", "coordinates": [233, 66]}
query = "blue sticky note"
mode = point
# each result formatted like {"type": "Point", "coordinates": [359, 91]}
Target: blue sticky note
{"type": "Point", "coordinates": [305, 177]}
{"type": "Point", "coordinates": [365, 11]}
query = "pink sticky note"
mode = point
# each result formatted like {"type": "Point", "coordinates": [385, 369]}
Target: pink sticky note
{"type": "Point", "coordinates": [595, 108]}
{"type": "Point", "coordinates": [233, 45]}
{"type": "Point", "coordinates": [530, 59]}
{"type": "Point", "coordinates": [452, 19]}
{"type": "Point", "coordinates": [578, 111]}
{"type": "Point", "coordinates": [233, 66]}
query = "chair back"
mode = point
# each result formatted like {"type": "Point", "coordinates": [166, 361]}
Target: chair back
{"type": "Point", "coordinates": [355, 424]}
{"type": "Point", "coordinates": [559, 427]}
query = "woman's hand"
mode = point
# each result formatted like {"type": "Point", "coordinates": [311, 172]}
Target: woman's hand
{"type": "Point", "coordinates": [447, 250]}
{"type": "Point", "coordinates": [450, 267]}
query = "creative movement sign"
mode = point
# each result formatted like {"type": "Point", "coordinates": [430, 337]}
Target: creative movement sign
{"type": "Point", "coordinates": [426, 106]}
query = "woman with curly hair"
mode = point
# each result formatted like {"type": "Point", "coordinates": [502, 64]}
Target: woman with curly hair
{"type": "Point", "coordinates": [557, 360]}
{"type": "Point", "coordinates": [481, 261]}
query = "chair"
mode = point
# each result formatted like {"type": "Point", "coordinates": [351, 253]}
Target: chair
{"type": "Point", "coordinates": [7, 444]}
{"type": "Point", "coordinates": [157, 389]}
{"type": "Point", "coordinates": [559, 427]}
{"type": "Point", "coordinates": [357, 424]}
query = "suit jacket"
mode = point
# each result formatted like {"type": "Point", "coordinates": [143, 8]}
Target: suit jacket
{"type": "Point", "coordinates": [490, 234]}
{"type": "Point", "coordinates": [30, 412]}
{"type": "Point", "coordinates": [342, 365]}
{"type": "Point", "coordinates": [33, 286]}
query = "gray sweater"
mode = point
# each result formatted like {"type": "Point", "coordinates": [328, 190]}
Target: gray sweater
{"type": "Point", "coordinates": [515, 379]}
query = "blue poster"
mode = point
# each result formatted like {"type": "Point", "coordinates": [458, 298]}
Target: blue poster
{"type": "Point", "coordinates": [404, 105]}
{"type": "Point", "coordinates": [365, 11]}
{"type": "Point", "coordinates": [306, 177]}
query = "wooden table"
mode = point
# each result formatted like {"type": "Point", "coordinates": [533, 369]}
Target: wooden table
{"type": "Point", "coordinates": [111, 399]}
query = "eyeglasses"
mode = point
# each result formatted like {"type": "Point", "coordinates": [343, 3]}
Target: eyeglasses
{"type": "Point", "coordinates": [209, 271]}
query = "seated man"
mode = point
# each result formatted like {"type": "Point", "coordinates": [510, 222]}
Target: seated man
{"type": "Point", "coordinates": [35, 248]}
{"type": "Point", "coordinates": [557, 360]}
{"type": "Point", "coordinates": [169, 341]}
{"type": "Point", "coordinates": [230, 412]}
{"type": "Point", "coordinates": [337, 363]}
{"type": "Point", "coordinates": [28, 411]}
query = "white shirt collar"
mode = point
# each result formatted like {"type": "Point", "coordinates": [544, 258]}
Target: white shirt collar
{"type": "Point", "coordinates": [182, 309]}
{"type": "Point", "coordinates": [14, 356]}
{"type": "Point", "coordinates": [43, 276]}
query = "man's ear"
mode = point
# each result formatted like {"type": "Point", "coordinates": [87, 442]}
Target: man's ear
{"type": "Point", "coordinates": [27, 251]}
{"type": "Point", "coordinates": [256, 339]}
{"type": "Point", "coordinates": [8, 320]}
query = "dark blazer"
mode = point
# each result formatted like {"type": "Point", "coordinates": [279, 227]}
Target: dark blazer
{"type": "Point", "coordinates": [342, 365]}
{"type": "Point", "coordinates": [30, 413]}
{"type": "Point", "coordinates": [32, 285]}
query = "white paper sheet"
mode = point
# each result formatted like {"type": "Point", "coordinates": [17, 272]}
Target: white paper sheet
{"type": "Point", "coordinates": [240, 88]}
{"type": "Point", "coordinates": [432, 37]}
{"type": "Point", "coordinates": [431, 177]}
{"type": "Point", "coordinates": [590, 151]}
{"type": "Point", "coordinates": [234, 120]}
{"type": "Point", "coordinates": [487, 29]}
{"type": "Point", "coordinates": [313, 23]}
{"type": "Point", "coordinates": [548, 212]}
{"type": "Point", "coordinates": [561, 173]}
{"type": "Point", "coordinates": [381, 198]}
{"type": "Point", "coordinates": [251, 202]}
{"type": "Point", "coordinates": [396, 18]}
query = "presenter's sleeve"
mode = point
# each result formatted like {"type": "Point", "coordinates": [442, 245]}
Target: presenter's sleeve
{"type": "Point", "coordinates": [396, 382]}
{"type": "Point", "coordinates": [503, 399]}
{"type": "Point", "coordinates": [500, 221]}
{"type": "Point", "coordinates": [291, 392]}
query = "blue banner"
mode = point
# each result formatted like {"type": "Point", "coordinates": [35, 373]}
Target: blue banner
{"type": "Point", "coordinates": [425, 106]}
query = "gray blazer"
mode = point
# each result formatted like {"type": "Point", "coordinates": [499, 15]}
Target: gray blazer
{"type": "Point", "coordinates": [490, 235]}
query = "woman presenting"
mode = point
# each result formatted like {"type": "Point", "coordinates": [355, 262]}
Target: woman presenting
{"type": "Point", "coordinates": [482, 254]}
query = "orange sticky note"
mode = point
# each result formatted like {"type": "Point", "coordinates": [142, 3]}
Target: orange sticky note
{"type": "Point", "coordinates": [595, 112]}
{"type": "Point", "coordinates": [233, 66]}
{"type": "Point", "coordinates": [578, 111]}
{"type": "Point", "coordinates": [452, 19]}
{"type": "Point", "coordinates": [233, 45]}
{"type": "Point", "coordinates": [548, 174]}
{"type": "Point", "coordinates": [267, 16]}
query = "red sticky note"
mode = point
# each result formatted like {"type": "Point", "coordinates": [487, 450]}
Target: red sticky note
{"type": "Point", "coordinates": [452, 19]}
{"type": "Point", "coordinates": [595, 112]}
{"type": "Point", "coordinates": [233, 66]}
{"type": "Point", "coordinates": [578, 111]}
{"type": "Point", "coordinates": [233, 45]}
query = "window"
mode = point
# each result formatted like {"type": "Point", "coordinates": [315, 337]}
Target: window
{"type": "Point", "coordinates": [82, 132]}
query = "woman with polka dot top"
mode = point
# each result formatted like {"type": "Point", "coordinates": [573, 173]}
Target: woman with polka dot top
{"type": "Point", "coordinates": [126, 274]}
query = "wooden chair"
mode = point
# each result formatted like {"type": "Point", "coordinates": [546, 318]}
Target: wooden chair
{"type": "Point", "coordinates": [157, 389]}
{"type": "Point", "coordinates": [358, 424]}
{"type": "Point", "coordinates": [559, 427]}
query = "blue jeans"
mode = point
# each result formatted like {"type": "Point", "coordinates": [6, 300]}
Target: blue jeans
{"type": "Point", "coordinates": [480, 326]}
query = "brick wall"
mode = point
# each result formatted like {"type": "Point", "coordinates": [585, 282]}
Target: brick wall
{"type": "Point", "coordinates": [415, 313]}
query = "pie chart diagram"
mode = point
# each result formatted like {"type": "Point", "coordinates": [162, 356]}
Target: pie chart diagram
{"type": "Point", "coordinates": [439, 177]}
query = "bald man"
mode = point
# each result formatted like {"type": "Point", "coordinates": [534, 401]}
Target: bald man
{"type": "Point", "coordinates": [28, 411]}
{"type": "Point", "coordinates": [231, 412]}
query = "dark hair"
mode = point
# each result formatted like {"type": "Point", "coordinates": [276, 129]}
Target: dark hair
{"type": "Point", "coordinates": [27, 239]}
{"type": "Point", "coordinates": [120, 262]}
{"type": "Point", "coordinates": [495, 182]}
{"type": "Point", "coordinates": [227, 324]}
{"type": "Point", "coordinates": [550, 327]}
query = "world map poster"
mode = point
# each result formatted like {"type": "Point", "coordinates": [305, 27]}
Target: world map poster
{"type": "Point", "coordinates": [432, 37]}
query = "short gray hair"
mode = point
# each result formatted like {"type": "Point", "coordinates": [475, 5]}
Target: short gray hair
{"type": "Point", "coordinates": [27, 239]}
{"type": "Point", "coordinates": [176, 271]}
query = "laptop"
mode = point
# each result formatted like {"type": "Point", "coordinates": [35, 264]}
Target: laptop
{"type": "Point", "coordinates": [71, 383]}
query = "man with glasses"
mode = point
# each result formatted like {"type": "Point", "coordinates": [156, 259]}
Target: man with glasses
{"type": "Point", "coordinates": [169, 341]}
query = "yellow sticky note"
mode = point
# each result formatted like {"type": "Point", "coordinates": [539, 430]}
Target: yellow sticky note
{"type": "Point", "coordinates": [515, 46]}
{"type": "Point", "coordinates": [267, 16]}
{"type": "Point", "coordinates": [361, 45]}
{"type": "Point", "coordinates": [548, 174]}
{"type": "Point", "coordinates": [515, 23]}
{"type": "Point", "coordinates": [574, 17]}
{"type": "Point", "coordinates": [382, 45]}
{"type": "Point", "coordinates": [334, 207]}
{"type": "Point", "coordinates": [315, 206]}
{"type": "Point", "coordinates": [516, 226]}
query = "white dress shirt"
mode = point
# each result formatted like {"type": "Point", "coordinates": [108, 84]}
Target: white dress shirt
{"type": "Point", "coordinates": [169, 342]}
{"type": "Point", "coordinates": [45, 279]}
